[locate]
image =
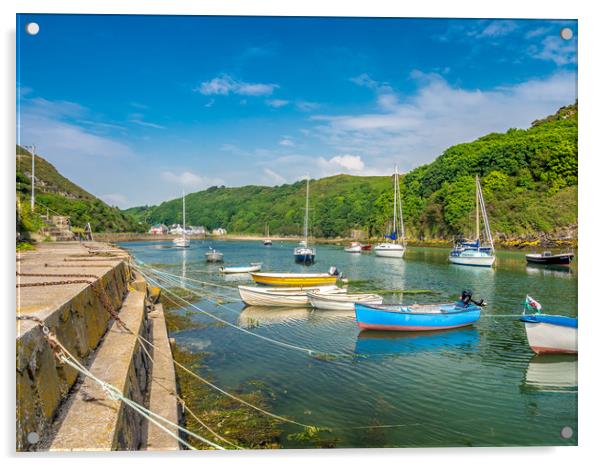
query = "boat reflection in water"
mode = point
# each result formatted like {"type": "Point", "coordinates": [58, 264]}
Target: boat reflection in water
{"type": "Point", "coordinates": [254, 316]}
{"type": "Point", "coordinates": [551, 373]}
{"type": "Point", "coordinates": [374, 342]}
{"type": "Point", "coordinates": [558, 271]}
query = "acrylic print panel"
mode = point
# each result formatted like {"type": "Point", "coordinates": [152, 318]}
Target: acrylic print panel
{"type": "Point", "coordinates": [262, 232]}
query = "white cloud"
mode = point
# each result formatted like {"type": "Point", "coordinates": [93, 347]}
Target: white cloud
{"type": "Point", "coordinates": [225, 85]}
{"type": "Point", "coordinates": [306, 106]}
{"type": "Point", "coordinates": [273, 176]}
{"type": "Point", "coordinates": [146, 124]}
{"type": "Point", "coordinates": [190, 180]}
{"type": "Point", "coordinates": [114, 199]}
{"type": "Point", "coordinates": [286, 141]}
{"type": "Point", "coordinates": [415, 130]}
{"type": "Point", "coordinates": [554, 48]}
{"type": "Point", "coordinates": [276, 103]}
{"type": "Point", "coordinates": [343, 163]}
{"type": "Point", "coordinates": [498, 28]}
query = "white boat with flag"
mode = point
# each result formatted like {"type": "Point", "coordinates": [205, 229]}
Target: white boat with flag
{"type": "Point", "coordinates": [304, 253]}
{"type": "Point", "coordinates": [549, 333]}
{"type": "Point", "coordinates": [473, 252]}
{"type": "Point", "coordinates": [396, 246]}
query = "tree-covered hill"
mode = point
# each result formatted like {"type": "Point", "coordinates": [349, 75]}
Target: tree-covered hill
{"type": "Point", "coordinates": [63, 197]}
{"type": "Point", "coordinates": [529, 180]}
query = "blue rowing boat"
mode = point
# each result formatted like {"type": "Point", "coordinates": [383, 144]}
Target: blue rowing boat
{"type": "Point", "coordinates": [418, 317]}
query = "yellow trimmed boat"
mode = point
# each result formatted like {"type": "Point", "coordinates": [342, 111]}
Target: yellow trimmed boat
{"type": "Point", "coordinates": [294, 279]}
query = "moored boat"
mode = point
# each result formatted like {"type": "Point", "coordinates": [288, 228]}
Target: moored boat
{"type": "Point", "coordinates": [419, 317]}
{"type": "Point", "coordinates": [286, 297]}
{"type": "Point", "coordinates": [214, 256]}
{"type": "Point", "coordinates": [547, 258]}
{"type": "Point", "coordinates": [549, 333]}
{"type": "Point", "coordinates": [366, 247]}
{"type": "Point", "coordinates": [396, 247]}
{"type": "Point", "coordinates": [341, 302]}
{"type": "Point", "coordinates": [295, 279]}
{"type": "Point", "coordinates": [354, 247]}
{"type": "Point", "coordinates": [253, 267]}
{"type": "Point", "coordinates": [182, 241]}
{"type": "Point", "coordinates": [476, 253]}
{"type": "Point", "coordinates": [304, 253]}
{"type": "Point", "coordinates": [267, 241]}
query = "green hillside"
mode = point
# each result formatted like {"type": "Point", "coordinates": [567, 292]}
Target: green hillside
{"type": "Point", "coordinates": [529, 180]}
{"type": "Point", "coordinates": [63, 197]}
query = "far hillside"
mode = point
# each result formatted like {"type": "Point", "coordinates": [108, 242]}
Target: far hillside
{"type": "Point", "coordinates": [529, 179]}
{"type": "Point", "coordinates": [63, 197]}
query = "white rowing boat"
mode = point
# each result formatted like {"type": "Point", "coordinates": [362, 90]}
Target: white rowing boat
{"type": "Point", "coordinates": [253, 267]}
{"type": "Point", "coordinates": [292, 296]}
{"type": "Point", "coordinates": [341, 302]}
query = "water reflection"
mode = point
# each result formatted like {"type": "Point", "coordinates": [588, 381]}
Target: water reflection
{"type": "Point", "coordinates": [558, 271]}
{"type": "Point", "coordinates": [551, 373]}
{"type": "Point", "coordinates": [255, 316]}
{"type": "Point", "coordinates": [374, 342]}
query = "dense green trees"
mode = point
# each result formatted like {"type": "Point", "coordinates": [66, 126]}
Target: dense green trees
{"type": "Point", "coordinates": [529, 180]}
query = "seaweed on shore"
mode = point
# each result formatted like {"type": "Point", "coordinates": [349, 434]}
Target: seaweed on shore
{"type": "Point", "coordinates": [232, 420]}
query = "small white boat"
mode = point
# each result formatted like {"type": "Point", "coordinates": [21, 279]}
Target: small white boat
{"type": "Point", "coordinates": [389, 250]}
{"type": "Point", "coordinates": [549, 333]}
{"type": "Point", "coordinates": [253, 267]}
{"type": "Point", "coordinates": [267, 241]}
{"type": "Point", "coordinates": [182, 241]}
{"type": "Point", "coordinates": [341, 302]}
{"type": "Point", "coordinates": [282, 297]}
{"type": "Point", "coordinates": [354, 247]}
{"type": "Point", "coordinates": [214, 256]}
{"type": "Point", "coordinates": [476, 253]}
{"type": "Point", "coordinates": [304, 253]}
{"type": "Point", "coordinates": [397, 247]}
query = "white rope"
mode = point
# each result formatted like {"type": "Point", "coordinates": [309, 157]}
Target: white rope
{"type": "Point", "coordinates": [115, 394]}
{"type": "Point", "coordinates": [309, 351]}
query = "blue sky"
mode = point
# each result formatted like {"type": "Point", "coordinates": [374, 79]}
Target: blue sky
{"type": "Point", "coordinates": [137, 108]}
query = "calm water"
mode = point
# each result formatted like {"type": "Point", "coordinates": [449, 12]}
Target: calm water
{"type": "Point", "coordinates": [476, 386]}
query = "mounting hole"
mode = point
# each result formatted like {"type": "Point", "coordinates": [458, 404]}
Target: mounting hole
{"type": "Point", "coordinates": [32, 28]}
{"type": "Point", "coordinates": [566, 432]}
{"type": "Point", "coordinates": [33, 437]}
{"type": "Point", "coordinates": [566, 33]}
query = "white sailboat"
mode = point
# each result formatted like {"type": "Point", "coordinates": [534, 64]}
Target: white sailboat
{"type": "Point", "coordinates": [304, 253]}
{"type": "Point", "coordinates": [267, 241]}
{"type": "Point", "coordinates": [396, 247]}
{"type": "Point", "coordinates": [476, 253]}
{"type": "Point", "coordinates": [182, 241]}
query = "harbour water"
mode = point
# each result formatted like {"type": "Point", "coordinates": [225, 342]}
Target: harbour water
{"type": "Point", "coordinates": [477, 386]}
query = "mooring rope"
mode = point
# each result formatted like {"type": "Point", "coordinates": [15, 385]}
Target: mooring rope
{"type": "Point", "coordinates": [65, 356]}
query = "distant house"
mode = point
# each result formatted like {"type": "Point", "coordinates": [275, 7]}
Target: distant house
{"type": "Point", "coordinates": [194, 230]}
{"type": "Point", "coordinates": [219, 232]}
{"type": "Point", "coordinates": [158, 229]}
{"type": "Point", "coordinates": [176, 229]}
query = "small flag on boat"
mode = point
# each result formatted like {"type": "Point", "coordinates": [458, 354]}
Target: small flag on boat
{"type": "Point", "coordinates": [530, 302]}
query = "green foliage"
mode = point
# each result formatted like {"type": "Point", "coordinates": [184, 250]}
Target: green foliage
{"type": "Point", "coordinates": [62, 197]}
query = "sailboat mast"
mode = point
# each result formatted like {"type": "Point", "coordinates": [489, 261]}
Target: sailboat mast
{"type": "Point", "coordinates": [305, 226]}
{"type": "Point", "coordinates": [395, 204]}
{"type": "Point", "coordinates": [183, 213]}
{"type": "Point", "coordinates": [403, 233]}
{"type": "Point", "coordinates": [477, 206]}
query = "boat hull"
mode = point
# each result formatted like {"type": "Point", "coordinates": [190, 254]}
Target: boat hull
{"type": "Point", "coordinates": [181, 243]}
{"type": "Point", "coordinates": [558, 259]}
{"type": "Point", "coordinates": [214, 257]}
{"type": "Point", "coordinates": [305, 258]}
{"type": "Point", "coordinates": [354, 249]}
{"type": "Point", "coordinates": [547, 337]}
{"type": "Point", "coordinates": [389, 250]}
{"type": "Point", "coordinates": [304, 280]}
{"type": "Point", "coordinates": [242, 269]}
{"type": "Point", "coordinates": [340, 302]}
{"type": "Point", "coordinates": [379, 319]}
{"type": "Point", "coordinates": [475, 261]}
{"type": "Point", "coordinates": [290, 297]}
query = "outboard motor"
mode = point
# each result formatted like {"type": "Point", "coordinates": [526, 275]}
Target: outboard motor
{"type": "Point", "coordinates": [334, 271]}
{"type": "Point", "coordinates": [466, 298]}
